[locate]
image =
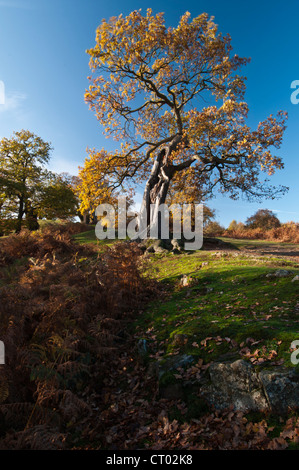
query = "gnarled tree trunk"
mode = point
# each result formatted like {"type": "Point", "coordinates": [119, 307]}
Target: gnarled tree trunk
{"type": "Point", "coordinates": [156, 188]}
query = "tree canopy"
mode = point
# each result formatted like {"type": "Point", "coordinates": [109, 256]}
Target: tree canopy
{"type": "Point", "coordinates": [173, 99]}
{"type": "Point", "coordinates": [264, 219]}
{"type": "Point", "coordinates": [27, 187]}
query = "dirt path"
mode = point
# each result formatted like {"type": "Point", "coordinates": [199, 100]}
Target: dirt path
{"type": "Point", "coordinates": [278, 250]}
{"type": "Point", "coordinates": [256, 248]}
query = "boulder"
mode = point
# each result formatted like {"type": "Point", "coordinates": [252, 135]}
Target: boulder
{"type": "Point", "coordinates": [241, 385]}
{"type": "Point", "coordinates": [234, 384]}
{"type": "Point", "coordinates": [283, 273]}
{"type": "Point", "coordinates": [160, 249]}
{"type": "Point", "coordinates": [281, 389]}
{"type": "Point", "coordinates": [280, 273]}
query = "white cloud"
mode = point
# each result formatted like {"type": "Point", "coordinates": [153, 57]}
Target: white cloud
{"type": "Point", "coordinates": [13, 102]}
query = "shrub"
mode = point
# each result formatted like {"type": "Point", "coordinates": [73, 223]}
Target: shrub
{"type": "Point", "coordinates": [263, 219]}
{"type": "Point", "coordinates": [213, 229]}
{"type": "Point", "coordinates": [62, 321]}
{"type": "Point", "coordinates": [288, 232]}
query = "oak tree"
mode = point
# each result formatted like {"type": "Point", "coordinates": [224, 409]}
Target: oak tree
{"type": "Point", "coordinates": [264, 219]}
{"type": "Point", "coordinates": [173, 98]}
{"type": "Point", "coordinates": [57, 198]}
{"type": "Point", "coordinates": [22, 160]}
{"type": "Point", "coordinates": [28, 190]}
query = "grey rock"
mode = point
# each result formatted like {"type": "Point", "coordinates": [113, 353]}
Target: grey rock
{"type": "Point", "coordinates": [175, 244]}
{"type": "Point", "coordinates": [234, 384]}
{"type": "Point", "coordinates": [283, 273]}
{"type": "Point", "coordinates": [241, 385]}
{"type": "Point", "coordinates": [280, 273]}
{"type": "Point", "coordinates": [281, 389]}
{"type": "Point", "coordinates": [175, 389]}
{"type": "Point", "coordinates": [160, 249]}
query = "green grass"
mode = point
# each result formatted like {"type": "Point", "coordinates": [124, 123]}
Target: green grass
{"type": "Point", "coordinates": [90, 237]}
{"type": "Point", "coordinates": [229, 301]}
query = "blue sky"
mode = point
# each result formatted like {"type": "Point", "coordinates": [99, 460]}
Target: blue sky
{"type": "Point", "coordinates": [44, 67]}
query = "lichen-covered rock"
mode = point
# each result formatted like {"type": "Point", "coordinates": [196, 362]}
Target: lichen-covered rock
{"type": "Point", "coordinates": [281, 389]}
{"type": "Point", "coordinates": [280, 273]}
{"type": "Point", "coordinates": [234, 384]}
{"type": "Point", "coordinates": [176, 244]}
{"type": "Point", "coordinates": [241, 385]}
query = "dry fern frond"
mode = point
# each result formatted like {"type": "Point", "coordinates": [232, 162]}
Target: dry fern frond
{"type": "Point", "coordinates": [4, 389]}
{"type": "Point", "coordinates": [40, 437]}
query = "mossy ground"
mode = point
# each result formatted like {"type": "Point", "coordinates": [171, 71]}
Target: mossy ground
{"type": "Point", "coordinates": [229, 305]}
{"type": "Point", "coordinates": [230, 301]}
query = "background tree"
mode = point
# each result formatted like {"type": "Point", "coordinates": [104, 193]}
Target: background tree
{"type": "Point", "coordinates": [93, 190]}
{"type": "Point", "coordinates": [213, 229]}
{"type": "Point", "coordinates": [233, 225]}
{"type": "Point", "coordinates": [148, 86]}
{"type": "Point", "coordinates": [22, 160]}
{"type": "Point", "coordinates": [28, 191]}
{"type": "Point", "coordinates": [264, 219]}
{"type": "Point", "coordinates": [57, 199]}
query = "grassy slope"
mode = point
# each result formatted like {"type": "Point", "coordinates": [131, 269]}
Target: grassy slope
{"type": "Point", "coordinates": [230, 301]}
{"type": "Point", "coordinates": [90, 237]}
